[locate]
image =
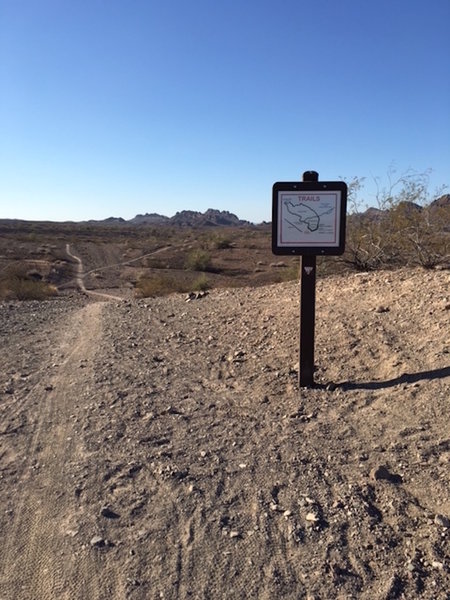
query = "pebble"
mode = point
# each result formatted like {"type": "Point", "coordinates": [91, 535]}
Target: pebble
{"type": "Point", "coordinates": [72, 532]}
{"type": "Point", "coordinates": [442, 521]}
{"type": "Point", "coordinates": [312, 517]}
{"type": "Point", "coordinates": [382, 309]}
{"type": "Point", "coordinates": [106, 512]}
{"type": "Point", "coordinates": [97, 542]}
{"type": "Point", "coordinates": [411, 567]}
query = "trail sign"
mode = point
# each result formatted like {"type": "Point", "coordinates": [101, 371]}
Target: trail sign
{"type": "Point", "coordinates": [308, 217]}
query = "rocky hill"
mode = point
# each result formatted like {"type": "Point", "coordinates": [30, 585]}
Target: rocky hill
{"type": "Point", "coordinates": [185, 218]}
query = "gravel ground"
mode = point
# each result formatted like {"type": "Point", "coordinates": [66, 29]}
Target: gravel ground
{"type": "Point", "coordinates": [161, 448]}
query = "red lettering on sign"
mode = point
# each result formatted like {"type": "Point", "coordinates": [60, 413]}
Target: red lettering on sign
{"type": "Point", "coordinates": [310, 198]}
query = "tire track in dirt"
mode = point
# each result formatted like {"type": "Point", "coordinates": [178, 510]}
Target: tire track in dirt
{"type": "Point", "coordinates": [37, 562]}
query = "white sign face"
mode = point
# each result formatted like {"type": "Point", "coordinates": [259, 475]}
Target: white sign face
{"type": "Point", "coordinates": [309, 218]}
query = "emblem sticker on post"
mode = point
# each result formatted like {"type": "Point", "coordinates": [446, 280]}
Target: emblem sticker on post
{"type": "Point", "coordinates": [309, 217]}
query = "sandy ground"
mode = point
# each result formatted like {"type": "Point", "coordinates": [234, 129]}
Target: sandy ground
{"type": "Point", "coordinates": [161, 448]}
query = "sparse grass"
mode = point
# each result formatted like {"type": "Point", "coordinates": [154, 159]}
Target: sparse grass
{"type": "Point", "coordinates": [17, 288]}
{"type": "Point", "coordinates": [290, 273]}
{"type": "Point", "coordinates": [159, 285]}
{"type": "Point", "coordinates": [19, 282]}
{"type": "Point", "coordinates": [198, 260]}
{"type": "Point", "coordinates": [221, 242]}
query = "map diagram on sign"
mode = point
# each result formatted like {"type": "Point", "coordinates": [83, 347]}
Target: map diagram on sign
{"type": "Point", "coordinates": [305, 216]}
{"type": "Point", "coordinates": [308, 218]}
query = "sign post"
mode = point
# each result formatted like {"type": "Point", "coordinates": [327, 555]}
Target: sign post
{"type": "Point", "coordinates": [308, 219]}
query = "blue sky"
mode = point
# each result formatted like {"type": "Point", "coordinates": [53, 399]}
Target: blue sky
{"type": "Point", "coordinates": [120, 107]}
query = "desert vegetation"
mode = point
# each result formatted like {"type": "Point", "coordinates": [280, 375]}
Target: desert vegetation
{"type": "Point", "coordinates": [408, 226]}
{"type": "Point", "coordinates": [20, 282]}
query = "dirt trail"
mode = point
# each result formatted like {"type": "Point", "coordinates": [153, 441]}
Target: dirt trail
{"type": "Point", "coordinates": [158, 448]}
{"type": "Point", "coordinates": [80, 279]}
{"type": "Point", "coordinates": [36, 561]}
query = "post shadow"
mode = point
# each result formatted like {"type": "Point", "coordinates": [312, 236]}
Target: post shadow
{"type": "Point", "coordinates": [406, 378]}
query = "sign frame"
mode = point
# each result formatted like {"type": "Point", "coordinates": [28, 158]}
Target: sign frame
{"type": "Point", "coordinates": [297, 229]}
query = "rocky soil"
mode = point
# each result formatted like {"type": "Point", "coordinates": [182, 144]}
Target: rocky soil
{"type": "Point", "coordinates": [161, 448]}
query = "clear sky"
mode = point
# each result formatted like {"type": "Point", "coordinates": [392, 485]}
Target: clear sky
{"type": "Point", "coordinates": [120, 107]}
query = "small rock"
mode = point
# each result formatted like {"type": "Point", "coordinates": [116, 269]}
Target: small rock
{"type": "Point", "coordinates": [235, 534]}
{"type": "Point", "coordinates": [437, 565]}
{"type": "Point", "coordinates": [382, 309]}
{"type": "Point", "coordinates": [442, 521]}
{"type": "Point", "coordinates": [312, 517]}
{"type": "Point", "coordinates": [72, 532]}
{"type": "Point", "coordinates": [411, 567]}
{"type": "Point", "coordinates": [97, 542]}
{"type": "Point", "coordinates": [106, 512]}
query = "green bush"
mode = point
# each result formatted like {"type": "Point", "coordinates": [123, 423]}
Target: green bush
{"type": "Point", "coordinates": [201, 284]}
{"type": "Point", "coordinates": [222, 242]}
{"type": "Point", "coordinates": [198, 260]}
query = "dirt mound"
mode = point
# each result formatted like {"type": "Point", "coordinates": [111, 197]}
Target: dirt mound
{"type": "Point", "coordinates": [162, 449]}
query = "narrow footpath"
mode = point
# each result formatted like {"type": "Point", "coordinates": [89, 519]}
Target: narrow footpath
{"type": "Point", "coordinates": [79, 277]}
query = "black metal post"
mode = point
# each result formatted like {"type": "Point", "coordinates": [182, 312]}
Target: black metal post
{"type": "Point", "coordinates": [307, 310]}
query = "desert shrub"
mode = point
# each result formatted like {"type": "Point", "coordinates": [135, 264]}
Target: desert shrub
{"type": "Point", "coordinates": [198, 260]}
{"type": "Point", "coordinates": [365, 245]}
{"type": "Point", "coordinates": [221, 242]}
{"type": "Point", "coordinates": [201, 284]}
{"type": "Point", "coordinates": [422, 236]}
{"type": "Point", "coordinates": [406, 227]}
{"type": "Point", "coordinates": [158, 285]}
{"type": "Point", "coordinates": [291, 273]}
{"type": "Point", "coordinates": [17, 288]}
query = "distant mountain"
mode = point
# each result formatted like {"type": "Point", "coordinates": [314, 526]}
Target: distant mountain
{"type": "Point", "coordinates": [149, 219]}
{"type": "Point", "coordinates": [210, 218]}
{"type": "Point", "coordinates": [184, 218]}
{"type": "Point", "coordinates": [408, 208]}
{"type": "Point", "coordinates": [108, 221]}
